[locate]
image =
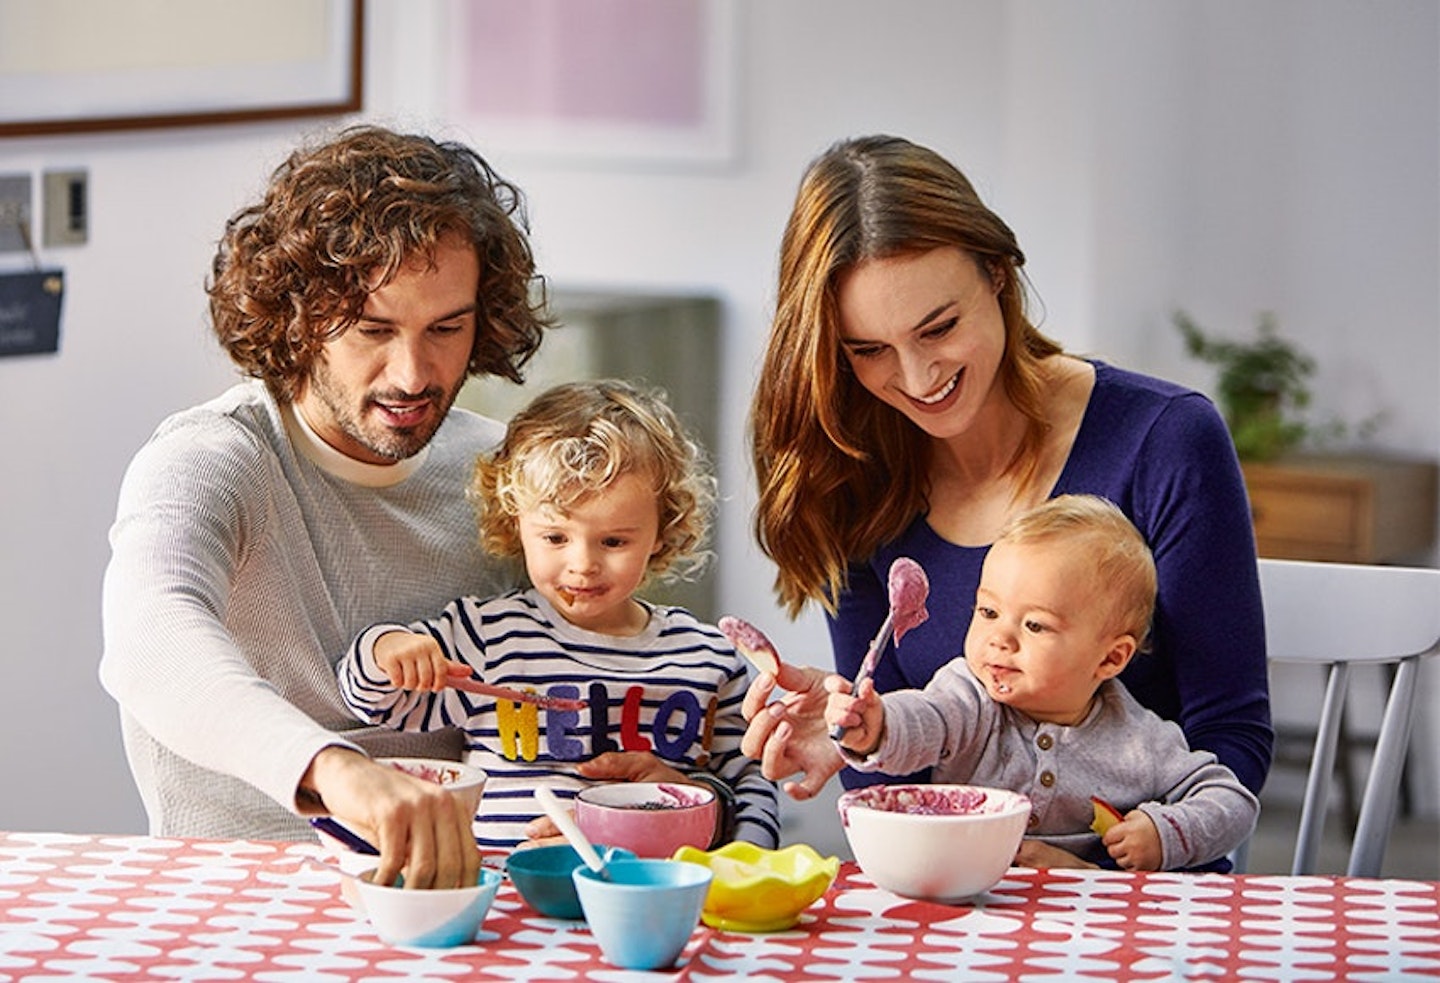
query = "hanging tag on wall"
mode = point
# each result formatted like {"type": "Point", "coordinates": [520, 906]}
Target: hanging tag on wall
{"type": "Point", "coordinates": [30, 312]}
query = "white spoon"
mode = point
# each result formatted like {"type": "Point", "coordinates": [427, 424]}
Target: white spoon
{"type": "Point", "coordinates": [332, 868]}
{"type": "Point", "coordinates": [566, 822]}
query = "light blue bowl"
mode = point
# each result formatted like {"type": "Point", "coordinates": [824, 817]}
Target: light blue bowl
{"type": "Point", "coordinates": [433, 918]}
{"type": "Point", "coordinates": [542, 876]}
{"type": "Point", "coordinates": [643, 912]}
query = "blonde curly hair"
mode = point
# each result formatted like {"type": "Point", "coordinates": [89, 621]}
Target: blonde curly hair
{"type": "Point", "coordinates": [573, 441]}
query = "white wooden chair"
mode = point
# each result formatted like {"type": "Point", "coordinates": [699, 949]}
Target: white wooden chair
{"type": "Point", "coordinates": [1338, 615]}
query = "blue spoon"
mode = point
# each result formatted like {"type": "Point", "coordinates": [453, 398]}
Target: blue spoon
{"type": "Point", "coordinates": [343, 833]}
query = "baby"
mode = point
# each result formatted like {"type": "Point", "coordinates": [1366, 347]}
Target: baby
{"type": "Point", "coordinates": [598, 488]}
{"type": "Point", "coordinates": [1064, 603]}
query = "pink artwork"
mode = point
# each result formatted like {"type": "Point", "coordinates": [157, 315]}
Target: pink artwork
{"type": "Point", "coordinates": [643, 81]}
{"type": "Point", "coordinates": [631, 61]}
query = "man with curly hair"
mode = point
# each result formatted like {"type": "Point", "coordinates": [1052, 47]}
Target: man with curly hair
{"type": "Point", "coordinates": [258, 533]}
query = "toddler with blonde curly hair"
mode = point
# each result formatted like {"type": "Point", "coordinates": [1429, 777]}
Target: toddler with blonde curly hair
{"type": "Point", "coordinates": [598, 489]}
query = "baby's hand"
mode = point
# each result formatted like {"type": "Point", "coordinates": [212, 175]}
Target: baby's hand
{"type": "Point", "coordinates": [415, 662]}
{"type": "Point", "coordinates": [1038, 853]}
{"type": "Point", "coordinates": [860, 714]}
{"type": "Point", "coordinates": [1134, 842]}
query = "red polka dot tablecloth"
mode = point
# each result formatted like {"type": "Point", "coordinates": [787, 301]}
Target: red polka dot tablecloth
{"type": "Point", "coordinates": [141, 908]}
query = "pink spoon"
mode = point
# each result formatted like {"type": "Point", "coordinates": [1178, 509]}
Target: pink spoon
{"type": "Point", "coordinates": [515, 695]}
{"type": "Point", "coordinates": [909, 587]}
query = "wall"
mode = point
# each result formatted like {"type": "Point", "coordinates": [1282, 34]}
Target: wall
{"type": "Point", "coordinates": [1225, 157]}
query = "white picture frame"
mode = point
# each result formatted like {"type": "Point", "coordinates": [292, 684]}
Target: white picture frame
{"type": "Point", "coordinates": [75, 66]}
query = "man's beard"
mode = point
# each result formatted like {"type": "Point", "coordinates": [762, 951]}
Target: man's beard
{"type": "Point", "coordinates": [391, 443]}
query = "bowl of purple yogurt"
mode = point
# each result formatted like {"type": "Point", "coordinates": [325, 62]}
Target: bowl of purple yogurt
{"type": "Point", "coordinates": [934, 842]}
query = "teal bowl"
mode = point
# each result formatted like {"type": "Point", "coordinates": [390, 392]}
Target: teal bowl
{"type": "Point", "coordinates": [542, 876]}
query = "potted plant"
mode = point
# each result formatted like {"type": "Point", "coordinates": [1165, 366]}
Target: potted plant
{"type": "Point", "coordinates": [1263, 388]}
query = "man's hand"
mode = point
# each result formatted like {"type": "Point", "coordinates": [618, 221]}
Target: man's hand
{"type": "Point", "coordinates": [421, 829]}
{"type": "Point", "coordinates": [789, 736]}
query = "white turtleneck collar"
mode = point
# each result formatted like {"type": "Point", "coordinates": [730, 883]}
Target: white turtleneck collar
{"type": "Point", "coordinates": [328, 459]}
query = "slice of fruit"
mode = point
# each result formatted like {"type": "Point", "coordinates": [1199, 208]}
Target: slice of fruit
{"type": "Point", "coordinates": [751, 642]}
{"type": "Point", "coordinates": [1106, 815]}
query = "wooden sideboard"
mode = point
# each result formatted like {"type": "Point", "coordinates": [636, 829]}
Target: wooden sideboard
{"type": "Point", "coordinates": [1343, 508]}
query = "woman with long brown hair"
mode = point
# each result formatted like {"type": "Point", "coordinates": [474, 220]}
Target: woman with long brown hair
{"type": "Point", "coordinates": [907, 406]}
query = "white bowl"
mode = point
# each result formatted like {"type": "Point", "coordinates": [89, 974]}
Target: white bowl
{"type": "Point", "coordinates": [934, 842]}
{"type": "Point", "coordinates": [433, 918]}
{"type": "Point", "coordinates": [465, 781]}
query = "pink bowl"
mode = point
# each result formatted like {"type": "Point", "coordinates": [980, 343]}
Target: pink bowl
{"type": "Point", "coordinates": [651, 819]}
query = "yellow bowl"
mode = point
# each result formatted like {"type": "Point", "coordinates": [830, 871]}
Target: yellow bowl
{"type": "Point", "coordinates": [758, 890]}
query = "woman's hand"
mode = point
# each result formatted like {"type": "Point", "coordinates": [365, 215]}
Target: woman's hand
{"type": "Point", "coordinates": [789, 736]}
{"type": "Point", "coordinates": [422, 830]}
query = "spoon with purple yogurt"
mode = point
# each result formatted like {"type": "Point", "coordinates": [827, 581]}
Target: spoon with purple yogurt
{"type": "Point", "coordinates": [909, 588]}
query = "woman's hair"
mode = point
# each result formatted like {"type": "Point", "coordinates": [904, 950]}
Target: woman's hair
{"type": "Point", "coordinates": [840, 473]}
{"type": "Point", "coordinates": [343, 218]}
{"type": "Point", "coordinates": [1122, 564]}
{"type": "Point", "coordinates": [573, 441]}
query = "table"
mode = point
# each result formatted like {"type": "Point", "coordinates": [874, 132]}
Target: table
{"type": "Point", "coordinates": [141, 908]}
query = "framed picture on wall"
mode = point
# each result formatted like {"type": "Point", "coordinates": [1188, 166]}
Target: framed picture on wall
{"type": "Point", "coordinates": [77, 66]}
{"type": "Point", "coordinates": [623, 81]}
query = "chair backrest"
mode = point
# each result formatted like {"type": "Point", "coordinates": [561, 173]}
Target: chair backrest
{"type": "Point", "coordinates": [1337, 615]}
